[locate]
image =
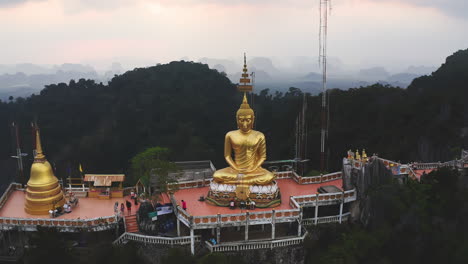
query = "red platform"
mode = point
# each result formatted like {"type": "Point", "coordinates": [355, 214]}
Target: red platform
{"type": "Point", "coordinates": [288, 187]}
{"type": "Point", "coordinates": [87, 208]}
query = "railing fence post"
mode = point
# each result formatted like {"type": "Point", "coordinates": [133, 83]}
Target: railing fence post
{"type": "Point", "coordinates": [192, 238]}
{"type": "Point", "coordinates": [299, 222]}
{"type": "Point", "coordinates": [192, 241]}
{"type": "Point", "coordinates": [316, 209]}
{"type": "Point", "coordinates": [218, 229]}
{"type": "Point", "coordinates": [341, 207]}
{"type": "Point", "coordinates": [178, 226]}
{"type": "Point", "coordinates": [273, 224]}
{"type": "Point", "coordinates": [246, 226]}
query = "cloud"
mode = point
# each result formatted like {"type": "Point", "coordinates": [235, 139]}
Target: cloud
{"type": "Point", "coordinates": [457, 8]}
{"type": "Point", "coordinates": [453, 8]}
{"type": "Point", "coordinates": [80, 5]}
{"type": "Point", "coordinates": [11, 3]}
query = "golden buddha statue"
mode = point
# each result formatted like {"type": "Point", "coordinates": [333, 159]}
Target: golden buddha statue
{"type": "Point", "coordinates": [364, 154]}
{"type": "Point", "coordinates": [357, 156]}
{"type": "Point", "coordinates": [43, 191]}
{"type": "Point", "coordinates": [249, 148]}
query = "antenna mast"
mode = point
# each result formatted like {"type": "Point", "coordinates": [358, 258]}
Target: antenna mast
{"type": "Point", "coordinates": [325, 10]}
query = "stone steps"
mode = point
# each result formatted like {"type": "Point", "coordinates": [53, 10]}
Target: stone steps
{"type": "Point", "coordinates": [131, 224]}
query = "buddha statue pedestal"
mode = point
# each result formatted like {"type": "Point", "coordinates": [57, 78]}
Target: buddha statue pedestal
{"type": "Point", "coordinates": [264, 196]}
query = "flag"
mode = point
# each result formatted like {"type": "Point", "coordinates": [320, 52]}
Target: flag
{"type": "Point", "coordinates": [80, 168]}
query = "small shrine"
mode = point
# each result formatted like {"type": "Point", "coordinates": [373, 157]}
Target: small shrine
{"type": "Point", "coordinates": [105, 186]}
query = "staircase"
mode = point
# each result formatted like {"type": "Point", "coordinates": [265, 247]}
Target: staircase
{"type": "Point", "coordinates": [131, 225]}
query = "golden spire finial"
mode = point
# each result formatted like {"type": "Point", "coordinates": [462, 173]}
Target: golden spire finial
{"type": "Point", "coordinates": [245, 85]}
{"type": "Point", "coordinates": [39, 154]}
{"type": "Point", "coordinates": [245, 62]}
{"type": "Point", "coordinates": [244, 108]}
{"type": "Point", "coordinates": [245, 103]}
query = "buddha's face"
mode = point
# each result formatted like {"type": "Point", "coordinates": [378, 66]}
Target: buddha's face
{"type": "Point", "coordinates": [245, 122]}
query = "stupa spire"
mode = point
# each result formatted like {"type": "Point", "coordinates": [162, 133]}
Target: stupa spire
{"type": "Point", "coordinates": [245, 85]}
{"type": "Point", "coordinates": [40, 157]}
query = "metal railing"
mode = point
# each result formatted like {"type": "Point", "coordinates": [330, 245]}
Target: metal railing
{"type": "Point", "coordinates": [316, 179]}
{"type": "Point", "coordinates": [32, 223]}
{"type": "Point", "coordinates": [77, 189]}
{"type": "Point", "coordinates": [279, 216]}
{"type": "Point", "coordinates": [190, 184]}
{"type": "Point", "coordinates": [255, 244]}
{"type": "Point", "coordinates": [324, 198]}
{"type": "Point", "coordinates": [185, 240]}
{"type": "Point", "coordinates": [327, 219]}
{"type": "Point", "coordinates": [13, 186]}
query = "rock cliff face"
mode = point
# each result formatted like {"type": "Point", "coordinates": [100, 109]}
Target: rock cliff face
{"type": "Point", "coordinates": [372, 174]}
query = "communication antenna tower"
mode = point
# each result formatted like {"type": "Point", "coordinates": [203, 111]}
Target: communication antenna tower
{"type": "Point", "coordinates": [325, 11]}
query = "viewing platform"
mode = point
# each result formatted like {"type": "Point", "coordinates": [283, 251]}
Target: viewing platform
{"type": "Point", "coordinates": [90, 213]}
{"type": "Point", "coordinates": [300, 202]}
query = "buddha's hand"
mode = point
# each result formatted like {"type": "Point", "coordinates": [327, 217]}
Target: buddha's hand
{"type": "Point", "coordinates": [250, 169]}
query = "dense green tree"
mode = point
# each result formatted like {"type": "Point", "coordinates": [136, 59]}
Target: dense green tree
{"type": "Point", "coordinates": [153, 163]}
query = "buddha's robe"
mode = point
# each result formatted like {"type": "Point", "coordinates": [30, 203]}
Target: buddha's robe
{"type": "Point", "coordinates": [249, 153]}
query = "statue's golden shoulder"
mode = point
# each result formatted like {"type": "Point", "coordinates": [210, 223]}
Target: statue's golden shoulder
{"type": "Point", "coordinates": [231, 133]}
{"type": "Point", "coordinates": [258, 134]}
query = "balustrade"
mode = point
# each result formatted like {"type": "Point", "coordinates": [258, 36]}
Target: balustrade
{"type": "Point", "coordinates": [252, 245]}
{"type": "Point", "coordinates": [185, 240]}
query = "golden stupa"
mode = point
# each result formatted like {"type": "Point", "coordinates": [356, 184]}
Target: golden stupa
{"type": "Point", "coordinates": [43, 192]}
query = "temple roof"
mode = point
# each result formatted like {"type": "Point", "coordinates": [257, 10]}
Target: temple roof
{"type": "Point", "coordinates": [104, 179]}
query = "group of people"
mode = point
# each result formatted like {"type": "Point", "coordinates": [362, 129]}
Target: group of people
{"type": "Point", "coordinates": [66, 208]}
{"type": "Point", "coordinates": [250, 204]}
{"type": "Point", "coordinates": [128, 204]}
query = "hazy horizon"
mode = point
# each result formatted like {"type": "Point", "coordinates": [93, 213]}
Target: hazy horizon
{"type": "Point", "coordinates": [362, 33]}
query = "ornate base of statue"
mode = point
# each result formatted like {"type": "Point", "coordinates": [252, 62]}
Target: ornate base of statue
{"type": "Point", "coordinates": [264, 196]}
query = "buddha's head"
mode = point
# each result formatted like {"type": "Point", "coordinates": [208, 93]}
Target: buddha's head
{"type": "Point", "coordinates": [245, 116]}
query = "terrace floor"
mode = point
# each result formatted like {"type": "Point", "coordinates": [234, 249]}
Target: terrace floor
{"type": "Point", "coordinates": [288, 187]}
{"type": "Point", "coordinates": [87, 208]}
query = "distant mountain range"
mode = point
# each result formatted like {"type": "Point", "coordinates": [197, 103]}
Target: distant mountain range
{"type": "Point", "coordinates": [304, 73]}
{"type": "Point", "coordinates": [22, 80]}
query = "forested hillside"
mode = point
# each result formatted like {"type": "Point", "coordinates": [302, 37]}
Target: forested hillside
{"type": "Point", "coordinates": [188, 108]}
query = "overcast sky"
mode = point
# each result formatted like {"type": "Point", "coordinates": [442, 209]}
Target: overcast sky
{"type": "Point", "coordinates": [390, 33]}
